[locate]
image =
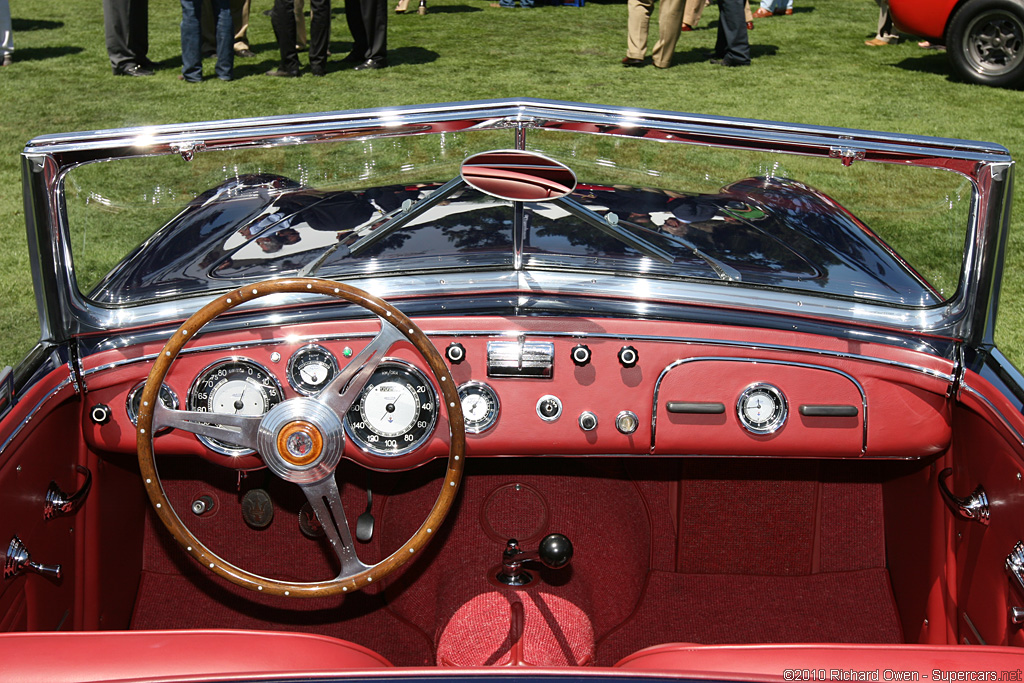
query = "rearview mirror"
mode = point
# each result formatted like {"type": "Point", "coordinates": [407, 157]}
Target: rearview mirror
{"type": "Point", "coordinates": [518, 176]}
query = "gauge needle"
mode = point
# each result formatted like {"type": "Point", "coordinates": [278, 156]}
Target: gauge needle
{"type": "Point", "coordinates": [238, 401]}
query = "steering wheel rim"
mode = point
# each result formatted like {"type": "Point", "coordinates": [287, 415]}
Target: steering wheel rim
{"type": "Point", "coordinates": [315, 476]}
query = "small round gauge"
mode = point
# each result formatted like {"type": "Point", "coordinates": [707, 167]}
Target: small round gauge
{"type": "Point", "coordinates": [480, 406]}
{"type": "Point", "coordinates": [762, 408]}
{"type": "Point", "coordinates": [131, 406]}
{"type": "Point", "coordinates": [311, 368]}
{"type": "Point", "coordinates": [396, 411]}
{"type": "Point", "coordinates": [237, 386]}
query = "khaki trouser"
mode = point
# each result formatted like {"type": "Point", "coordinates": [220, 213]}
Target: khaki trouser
{"type": "Point", "coordinates": [638, 24]}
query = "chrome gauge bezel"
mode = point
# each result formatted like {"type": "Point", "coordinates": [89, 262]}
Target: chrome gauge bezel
{"type": "Point", "coordinates": [779, 409]}
{"type": "Point", "coordinates": [299, 358]}
{"type": "Point", "coordinates": [428, 409]}
{"type": "Point", "coordinates": [207, 375]}
{"type": "Point", "coordinates": [475, 388]}
{"type": "Point", "coordinates": [131, 404]}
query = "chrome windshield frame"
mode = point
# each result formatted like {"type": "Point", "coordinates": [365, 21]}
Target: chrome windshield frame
{"type": "Point", "coordinates": [968, 315]}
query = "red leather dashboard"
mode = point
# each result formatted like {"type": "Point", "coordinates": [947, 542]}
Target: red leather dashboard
{"type": "Point", "coordinates": [858, 397]}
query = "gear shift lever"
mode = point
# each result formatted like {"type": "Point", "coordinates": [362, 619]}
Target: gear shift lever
{"type": "Point", "coordinates": [555, 552]}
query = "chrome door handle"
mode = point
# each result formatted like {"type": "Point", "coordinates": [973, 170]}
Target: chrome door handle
{"type": "Point", "coordinates": [973, 508]}
{"type": "Point", "coordinates": [59, 503]}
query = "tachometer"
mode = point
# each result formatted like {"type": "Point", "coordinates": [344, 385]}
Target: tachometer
{"type": "Point", "coordinates": [396, 411]}
{"type": "Point", "coordinates": [237, 386]}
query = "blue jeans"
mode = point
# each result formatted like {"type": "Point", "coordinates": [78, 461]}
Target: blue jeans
{"type": "Point", "coordinates": [192, 40]}
{"type": "Point", "coordinates": [512, 3]}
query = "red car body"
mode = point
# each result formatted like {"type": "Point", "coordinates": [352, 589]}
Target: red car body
{"type": "Point", "coordinates": [924, 18]}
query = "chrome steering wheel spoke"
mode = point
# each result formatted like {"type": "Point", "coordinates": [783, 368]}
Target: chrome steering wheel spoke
{"type": "Point", "coordinates": [241, 430]}
{"type": "Point", "coordinates": [343, 390]}
{"type": "Point", "coordinates": [325, 499]}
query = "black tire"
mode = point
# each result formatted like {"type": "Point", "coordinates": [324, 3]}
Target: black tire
{"type": "Point", "coordinates": [985, 42]}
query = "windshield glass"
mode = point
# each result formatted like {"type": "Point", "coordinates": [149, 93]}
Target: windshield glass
{"type": "Point", "coordinates": [151, 228]}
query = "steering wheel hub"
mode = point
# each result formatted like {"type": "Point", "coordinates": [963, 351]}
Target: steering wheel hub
{"type": "Point", "coordinates": [301, 440]}
{"type": "Point", "coordinates": [300, 443]}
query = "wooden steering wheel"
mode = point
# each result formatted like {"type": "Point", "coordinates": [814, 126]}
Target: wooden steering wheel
{"type": "Point", "coordinates": [301, 439]}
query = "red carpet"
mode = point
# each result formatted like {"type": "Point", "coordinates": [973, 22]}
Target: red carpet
{"type": "Point", "coordinates": [695, 550]}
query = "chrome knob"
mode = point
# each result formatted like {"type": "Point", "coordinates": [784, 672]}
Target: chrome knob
{"type": "Point", "coordinates": [18, 560]}
{"type": "Point", "coordinates": [626, 422]}
{"type": "Point", "coordinates": [588, 421]}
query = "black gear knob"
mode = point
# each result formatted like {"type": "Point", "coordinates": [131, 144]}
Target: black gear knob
{"type": "Point", "coordinates": [555, 551]}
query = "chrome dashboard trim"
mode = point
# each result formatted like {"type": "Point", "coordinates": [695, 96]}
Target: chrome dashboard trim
{"type": "Point", "coordinates": [31, 414]}
{"type": "Point", "coordinates": [761, 361]}
{"type": "Point", "coordinates": [523, 284]}
{"type": "Point", "coordinates": [500, 334]}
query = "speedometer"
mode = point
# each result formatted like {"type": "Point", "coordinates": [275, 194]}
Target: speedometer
{"type": "Point", "coordinates": [396, 411]}
{"type": "Point", "coordinates": [236, 386]}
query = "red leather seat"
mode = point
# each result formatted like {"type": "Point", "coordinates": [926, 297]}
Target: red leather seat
{"type": "Point", "coordinates": [131, 655]}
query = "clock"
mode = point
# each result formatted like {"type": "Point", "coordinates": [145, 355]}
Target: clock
{"type": "Point", "coordinates": [762, 408]}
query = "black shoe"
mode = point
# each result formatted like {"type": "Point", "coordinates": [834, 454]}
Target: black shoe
{"type": "Point", "coordinates": [245, 52]}
{"type": "Point", "coordinates": [370, 64]}
{"type": "Point", "coordinates": [318, 69]}
{"type": "Point", "coordinates": [283, 73]}
{"type": "Point", "coordinates": [353, 58]}
{"type": "Point", "coordinates": [146, 63]}
{"type": "Point", "coordinates": [627, 61]}
{"type": "Point", "coordinates": [729, 61]}
{"type": "Point", "coordinates": [131, 69]}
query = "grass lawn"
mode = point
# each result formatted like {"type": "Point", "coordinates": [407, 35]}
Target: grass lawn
{"type": "Point", "coordinates": [811, 67]}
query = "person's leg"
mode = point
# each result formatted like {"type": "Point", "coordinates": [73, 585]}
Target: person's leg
{"type": "Point", "coordinates": [191, 40]}
{"type": "Point", "coordinates": [138, 31]}
{"type": "Point", "coordinates": [319, 34]}
{"type": "Point", "coordinates": [6, 34]}
{"type": "Point", "coordinates": [354, 19]}
{"type": "Point", "coordinates": [885, 30]}
{"type": "Point", "coordinates": [670, 18]}
{"type": "Point", "coordinates": [301, 40]}
{"type": "Point", "coordinates": [282, 18]}
{"type": "Point", "coordinates": [115, 26]}
{"type": "Point", "coordinates": [375, 18]}
{"type": "Point", "coordinates": [240, 23]}
{"type": "Point", "coordinates": [225, 31]}
{"type": "Point", "coordinates": [733, 45]}
{"type": "Point", "coordinates": [638, 23]}
{"type": "Point", "coordinates": [209, 29]}
{"type": "Point", "coordinates": [692, 10]}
